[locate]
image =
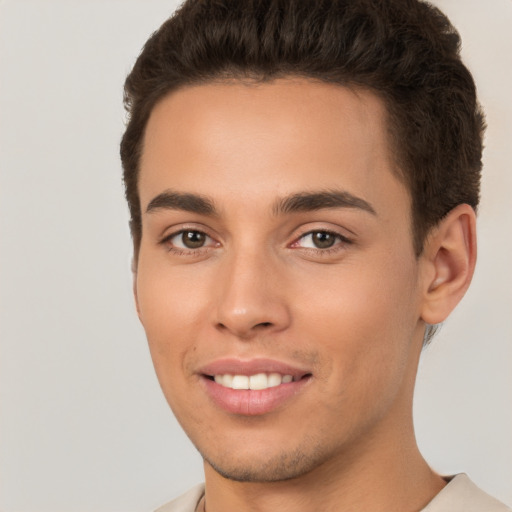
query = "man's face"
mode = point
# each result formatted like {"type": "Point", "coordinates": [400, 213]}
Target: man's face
{"type": "Point", "coordinates": [277, 245]}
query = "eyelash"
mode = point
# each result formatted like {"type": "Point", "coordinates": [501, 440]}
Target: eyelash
{"type": "Point", "coordinates": [342, 241]}
{"type": "Point", "coordinates": [178, 251]}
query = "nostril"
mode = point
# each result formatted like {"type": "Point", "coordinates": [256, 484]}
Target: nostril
{"type": "Point", "coordinates": [245, 328]}
{"type": "Point", "coordinates": [264, 324]}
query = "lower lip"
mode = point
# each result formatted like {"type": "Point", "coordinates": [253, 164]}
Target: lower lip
{"type": "Point", "coordinates": [250, 402]}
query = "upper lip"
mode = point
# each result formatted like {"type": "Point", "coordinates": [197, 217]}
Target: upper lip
{"type": "Point", "coordinates": [249, 367]}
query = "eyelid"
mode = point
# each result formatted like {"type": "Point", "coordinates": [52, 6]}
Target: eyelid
{"type": "Point", "coordinates": [176, 229]}
{"type": "Point", "coordinates": [329, 230]}
{"type": "Point", "coordinates": [340, 245]}
{"type": "Point", "coordinates": [172, 233]}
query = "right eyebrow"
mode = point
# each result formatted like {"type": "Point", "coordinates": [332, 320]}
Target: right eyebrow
{"type": "Point", "coordinates": [171, 200]}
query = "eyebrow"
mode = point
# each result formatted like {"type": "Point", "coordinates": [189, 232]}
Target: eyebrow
{"type": "Point", "coordinates": [170, 200]}
{"type": "Point", "coordinates": [311, 201]}
{"type": "Point", "coordinates": [300, 202]}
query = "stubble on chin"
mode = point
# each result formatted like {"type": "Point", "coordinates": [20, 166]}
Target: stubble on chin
{"type": "Point", "coordinates": [277, 468]}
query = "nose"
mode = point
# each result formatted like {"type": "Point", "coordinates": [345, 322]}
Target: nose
{"type": "Point", "coordinates": [251, 298]}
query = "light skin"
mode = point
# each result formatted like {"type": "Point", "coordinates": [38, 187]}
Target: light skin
{"type": "Point", "coordinates": [265, 272]}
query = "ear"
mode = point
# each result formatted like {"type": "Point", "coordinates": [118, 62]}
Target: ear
{"type": "Point", "coordinates": [449, 259]}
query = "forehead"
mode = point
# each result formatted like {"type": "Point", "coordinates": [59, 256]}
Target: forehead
{"type": "Point", "coordinates": [261, 140]}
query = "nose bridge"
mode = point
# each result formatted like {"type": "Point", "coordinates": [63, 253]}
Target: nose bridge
{"type": "Point", "coordinates": [250, 298]}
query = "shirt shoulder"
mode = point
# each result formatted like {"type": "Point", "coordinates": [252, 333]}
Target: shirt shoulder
{"type": "Point", "coordinates": [186, 502]}
{"type": "Point", "coordinates": [459, 495]}
{"type": "Point", "coordinates": [462, 495]}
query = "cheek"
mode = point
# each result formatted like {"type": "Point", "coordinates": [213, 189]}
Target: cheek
{"type": "Point", "coordinates": [363, 318]}
{"type": "Point", "coordinates": [169, 307]}
{"type": "Point", "coordinates": [168, 298]}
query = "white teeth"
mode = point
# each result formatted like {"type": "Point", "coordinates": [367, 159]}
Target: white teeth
{"type": "Point", "coordinates": [274, 379]}
{"type": "Point", "coordinates": [258, 381]}
{"type": "Point", "coordinates": [240, 382]}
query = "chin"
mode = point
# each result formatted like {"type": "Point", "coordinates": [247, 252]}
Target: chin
{"type": "Point", "coordinates": [276, 468]}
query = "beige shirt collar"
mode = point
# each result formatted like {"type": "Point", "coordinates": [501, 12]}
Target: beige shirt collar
{"type": "Point", "coordinates": [460, 495]}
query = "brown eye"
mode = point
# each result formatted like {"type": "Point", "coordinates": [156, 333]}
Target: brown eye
{"type": "Point", "coordinates": [188, 239]}
{"type": "Point", "coordinates": [193, 239]}
{"type": "Point", "coordinates": [323, 239]}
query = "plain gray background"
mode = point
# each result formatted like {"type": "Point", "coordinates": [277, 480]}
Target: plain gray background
{"type": "Point", "coordinates": [83, 424]}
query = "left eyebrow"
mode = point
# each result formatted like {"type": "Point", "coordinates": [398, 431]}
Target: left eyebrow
{"type": "Point", "coordinates": [311, 201]}
{"type": "Point", "coordinates": [171, 200]}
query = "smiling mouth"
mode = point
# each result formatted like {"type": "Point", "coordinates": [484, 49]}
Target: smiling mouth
{"type": "Point", "coordinates": [259, 381]}
{"type": "Point", "coordinates": [255, 387]}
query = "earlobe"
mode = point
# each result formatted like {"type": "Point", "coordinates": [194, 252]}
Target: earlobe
{"type": "Point", "coordinates": [449, 258]}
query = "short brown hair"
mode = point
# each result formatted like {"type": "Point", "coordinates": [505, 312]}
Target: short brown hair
{"type": "Point", "coordinates": [406, 51]}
